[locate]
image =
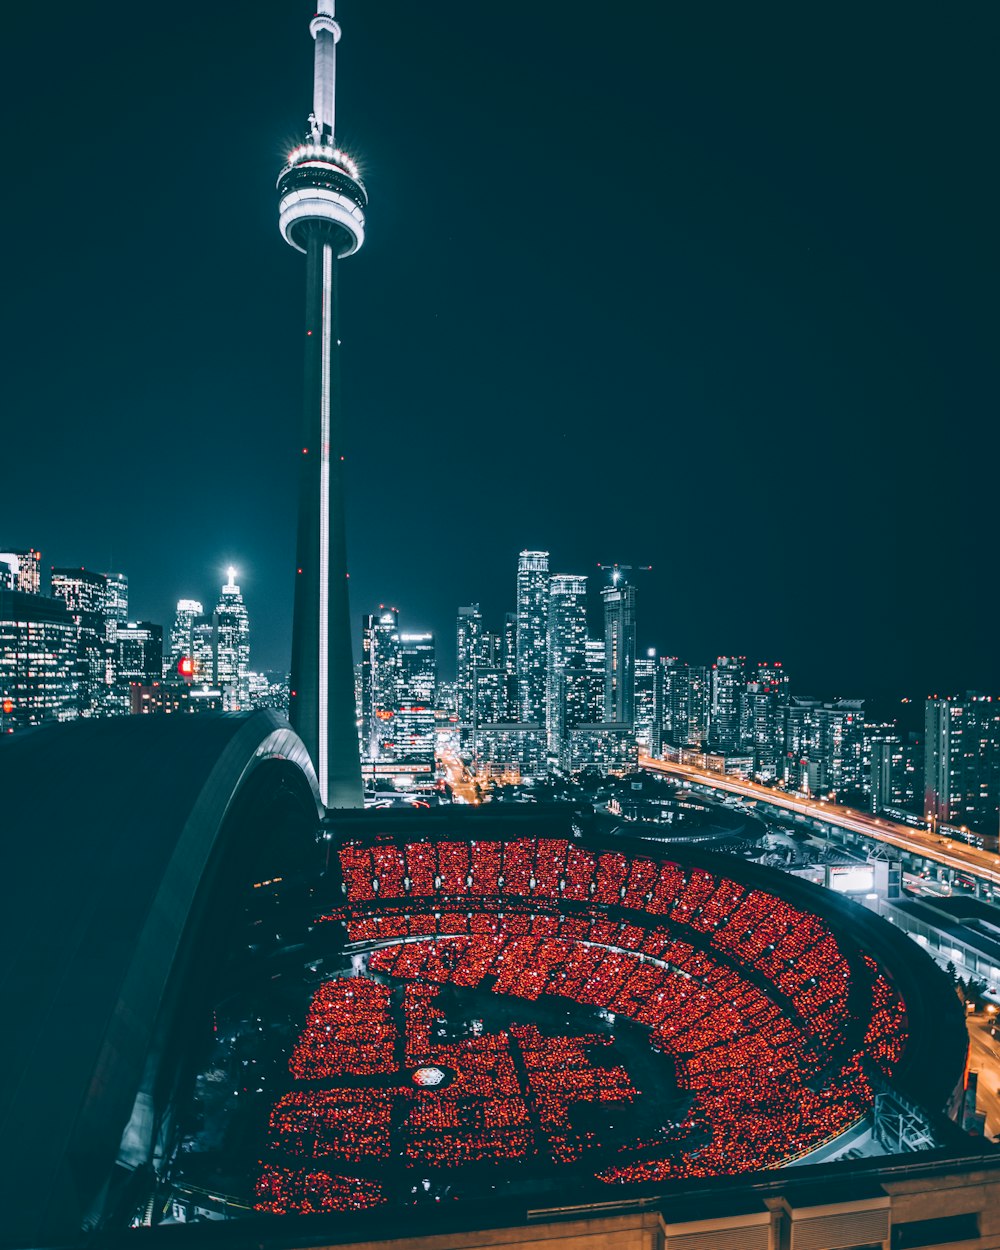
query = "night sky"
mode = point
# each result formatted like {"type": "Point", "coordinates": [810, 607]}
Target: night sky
{"type": "Point", "coordinates": [708, 287]}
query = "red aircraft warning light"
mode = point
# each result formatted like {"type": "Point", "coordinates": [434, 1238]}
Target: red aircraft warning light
{"type": "Point", "coordinates": [185, 666]}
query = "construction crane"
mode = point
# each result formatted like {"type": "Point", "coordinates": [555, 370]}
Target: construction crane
{"type": "Point", "coordinates": [617, 571]}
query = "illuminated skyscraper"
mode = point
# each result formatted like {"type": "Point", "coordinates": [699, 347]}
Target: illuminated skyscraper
{"type": "Point", "coordinates": [322, 213]}
{"type": "Point", "coordinates": [532, 629]}
{"type": "Point", "coordinates": [647, 706]}
{"type": "Point", "coordinates": [619, 652]}
{"type": "Point", "coordinates": [594, 665]}
{"type": "Point", "coordinates": [414, 730]}
{"type": "Point", "coordinates": [379, 680]}
{"type": "Point", "coordinates": [182, 633]}
{"type": "Point", "coordinates": [116, 609]}
{"type": "Point", "coordinates": [86, 597]}
{"type": "Point", "coordinates": [203, 641]}
{"type": "Point", "coordinates": [39, 660]}
{"type": "Point", "coordinates": [566, 656]}
{"type": "Point", "coordinates": [468, 653]}
{"type": "Point", "coordinates": [728, 685]}
{"type": "Point", "coordinates": [21, 570]}
{"type": "Point", "coordinates": [417, 668]}
{"type": "Point", "coordinates": [140, 654]}
{"type": "Point", "coordinates": [232, 647]}
{"type": "Point", "coordinates": [962, 763]}
{"type": "Point", "coordinates": [508, 659]}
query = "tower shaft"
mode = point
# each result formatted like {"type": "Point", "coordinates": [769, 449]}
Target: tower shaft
{"type": "Point", "coordinates": [322, 706]}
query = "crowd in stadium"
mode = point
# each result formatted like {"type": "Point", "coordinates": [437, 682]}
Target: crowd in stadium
{"type": "Point", "coordinates": [752, 998]}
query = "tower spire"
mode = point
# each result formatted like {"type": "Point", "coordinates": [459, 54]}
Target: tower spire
{"type": "Point", "coordinates": [326, 32]}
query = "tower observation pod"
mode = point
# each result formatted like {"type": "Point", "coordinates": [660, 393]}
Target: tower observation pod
{"type": "Point", "coordinates": [322, 213]}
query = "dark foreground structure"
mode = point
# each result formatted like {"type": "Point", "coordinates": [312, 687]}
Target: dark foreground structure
{"type": "Point", "coordinates": [128, 845]}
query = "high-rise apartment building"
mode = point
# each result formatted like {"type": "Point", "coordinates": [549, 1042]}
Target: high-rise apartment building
{"type": "Point", "coordinates": [687, 699]}
{"type": "Point", "coordinates": [648, 704]}
{"type": "Point", "coordinates": [619, 653]}
{"type": "Point", "coordinates": [762, 732]}
{"type": "Point", "coordinates": [566, 639]}
{"type": "Point", "coordinates": [410, 733]}
{"type": "Point", "coordinates": [594, 664]}
{"type": "Point", "coordinates": [728, 685]}
{"type": "Point", "coordinates": [648, 733]}
{"type": "Point", "coordinates": [468, 650]}
{"type": "Point", "coordinates": [412, 741]}
{"type": "Point", "coordinates": [508, 659]}
{"type": "Point", "coordinates": [532, 632]}
{"type": "Point", "coordinates": [417, 682]}
{"type": "Point", "coordinates": [887, 773]}
{"type": "Point", "coordinates": [189, 611]}
{"type": "Point", "coordinates": [772, 676]}
{"type": "Point", "coordinates": [39, 660]}
{"type": "Point", "coordinates": [86, 597]}
{"type": "Point", "coordinates": [490, 704]}
{"type": "Point", "coordinates": [699, 677]}
{"type": "Point", "coordinates": [21, 570]}
{"type": "Point", "coordinates": [232, 646]}
{"type": "Point", "coordinates": [380, 665]}
{"type": "Point", "coordinates": [962, 764]}
{"type": "Point", "coordinates": [116, 609]}
{"type": "Point", "coordinates": [800, 740]}
{"type": "Point", "coordinates": [140, 655]}
{"type": "Point", "coordinates": [839, 745]}
{"type": "Point", "coordinates": [203, 646]}
{"type": "Point", "coordinates": [491, 646]}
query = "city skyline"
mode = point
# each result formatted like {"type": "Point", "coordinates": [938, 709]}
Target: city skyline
{"type": "Point", "coordinates": [818, 301]}
{"type": "Point", "coordinates": [700, 653]}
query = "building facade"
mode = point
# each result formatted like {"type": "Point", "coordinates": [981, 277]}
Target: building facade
{"type": "Point", "coordinates": [962, 764]}
{"type": "Point", "coordinates": [86, 597]}
{"type": "Point", "coordinates": [188, 613]}
{"type": "Point", "coordinates": [532, 634]}
{"type": "Point", "coordinates": [468, 652]}
{"type": "Point", "coordinates": [39, 660]}
{"type": "Point", "coordinates": [232, 647]}
{"type": "Point", "coordinates": [728, 686]}
{"type": "Point", "coordinates": [566, 638]}
{"type": "Point", "coordinates": [619, 653]}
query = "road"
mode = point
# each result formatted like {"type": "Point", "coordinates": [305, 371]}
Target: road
{"type": "Point", "coordinates": [983, 864]}
{"type": "Point", "coordinates": [459, 777]}
{"type": "Point", "coordinates": [984, 1058]}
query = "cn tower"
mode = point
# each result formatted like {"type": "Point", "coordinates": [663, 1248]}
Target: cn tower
{"type": "Point", "coordinates": [322, 213]}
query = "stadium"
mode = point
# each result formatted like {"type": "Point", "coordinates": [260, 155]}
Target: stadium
{"type": "Point", "coordinates": [238, 1016]}
{"type": "Point", "coordinates": [494, 1012]}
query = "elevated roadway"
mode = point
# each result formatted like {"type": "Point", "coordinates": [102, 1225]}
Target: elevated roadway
{"type": "Point", "coordinates": [984, 865]}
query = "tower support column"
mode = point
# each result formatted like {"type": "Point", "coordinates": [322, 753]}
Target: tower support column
{"type": "Point", "coordinates": [322, 705]}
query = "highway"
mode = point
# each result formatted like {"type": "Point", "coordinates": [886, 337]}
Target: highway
{"type": "Point", "coordinates": [982, 864]}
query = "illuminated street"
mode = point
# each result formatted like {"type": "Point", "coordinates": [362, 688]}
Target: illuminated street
{"type": "Point", "coordinates": [984, 1058]}
{"type": "Point", "coordinates": [918, 842]}
{"type": "Point", "coordinates": [458, 776]}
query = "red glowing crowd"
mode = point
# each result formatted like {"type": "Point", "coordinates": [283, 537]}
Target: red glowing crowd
{"type": "Point", "coordinates": [753, 1000]}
